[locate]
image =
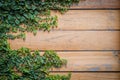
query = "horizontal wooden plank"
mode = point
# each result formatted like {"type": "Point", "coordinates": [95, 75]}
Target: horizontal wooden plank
{"type": "Point", "coordinates": [89, 61]}
{"type": "Point", "coordinates": [97, 4]}
{"type": "Point", "coordinates": [93, 76]}
{"type": "Point", "coordinates": [70, 40]}
{"type": "Point", "coordinates": [89, 20]}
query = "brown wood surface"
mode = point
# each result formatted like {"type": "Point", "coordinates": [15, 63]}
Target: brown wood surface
{"type": "Point", "coordinates": [70, 40]}
{"type": "Point", "coordinates": [93, 76]}
{"type": "Point", "coordinates": [89, 20]}
{"type": "Point", "coordinates": [89, 61]}
{"type": "Point", "coordinates": [89, 4]}
{"type": "Point", "coordinates": [83, 30]}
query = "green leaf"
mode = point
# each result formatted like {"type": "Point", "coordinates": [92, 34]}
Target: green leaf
{"type": "Point", "coordinates": [17, 22]}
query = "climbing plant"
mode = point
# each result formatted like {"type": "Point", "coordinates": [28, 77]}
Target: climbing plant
{"type": "Point", "coordinates": [20, 16]}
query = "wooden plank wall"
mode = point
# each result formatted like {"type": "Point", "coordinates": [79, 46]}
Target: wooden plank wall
{"type": "Point", "coordinates": [88, 36]}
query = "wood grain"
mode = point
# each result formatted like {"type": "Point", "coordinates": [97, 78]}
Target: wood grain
{"type": "Point", "coordinates": [89, 20]}
{"type": "Point", "coordinates": [83, 30]}
{"type": "Point", "coordinates": [89, 4]}
{"type": "Point", "coordinates": [70, 40]}
{"type": "Point", "coordinates": [89, 61]}
{"type": "Point", "coordinates": [93, 76]}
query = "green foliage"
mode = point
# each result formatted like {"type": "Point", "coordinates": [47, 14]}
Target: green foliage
{"type": "Point", "coordinates": [22, 64]}
{"type": "Point", "coordinates": [28, 16]}
{"type": "Point", "coordinates": [34, 14]}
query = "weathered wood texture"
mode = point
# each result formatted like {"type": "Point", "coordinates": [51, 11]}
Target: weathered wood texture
{"type": "Point", "coordinates": [90, 61]}
{"type": "Point", "coordinates": [88, 39]}
{"type": "Point", "coordinates": [89, 20]}
{"type": "Point", "coordinates": [93, 76]}
{"type": "Point", "coordinates": [70, 40]}
{"type": "Point", "coordinates": [89, 4]}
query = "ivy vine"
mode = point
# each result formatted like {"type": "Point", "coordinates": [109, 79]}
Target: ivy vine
{"type": "Point", "coordinates": [29, 16]}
